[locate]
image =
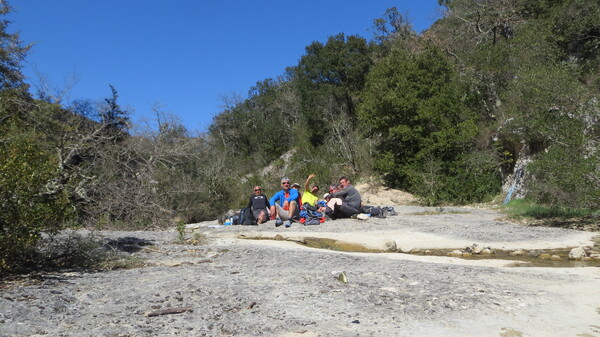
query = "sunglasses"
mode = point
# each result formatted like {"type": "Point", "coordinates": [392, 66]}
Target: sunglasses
{"type": "Point", "coordinates": [286, 183]}
{"type": "Point", "coordinates": [258, 189]}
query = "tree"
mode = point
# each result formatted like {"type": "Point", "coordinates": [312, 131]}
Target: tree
{"type": "Point", "coordinates": [29, 203]}
{"type": "Point", "coordinates": [329, 78]}
{"type": "Point", "coordinates": [114, 119]}
{"type": "Point", "coordinates": [477, 22]}
{"type": "Point", "coordinates": [412, 105]}
{"type": "Point", "coordinates": [14, 97]}
{"type": "Point", "coordinates": [392, 27]}
{"type": "Point", "coordinates": [12, 54]}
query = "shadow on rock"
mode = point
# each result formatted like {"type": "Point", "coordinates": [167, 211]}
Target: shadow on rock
{"type": "Point", "coordinates": [128, 244]}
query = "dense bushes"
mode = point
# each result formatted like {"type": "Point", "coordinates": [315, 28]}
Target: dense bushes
{"type": "Point", "coordinates": [412, 105]}
{"type": "Point", "coordinates": [30, 206]}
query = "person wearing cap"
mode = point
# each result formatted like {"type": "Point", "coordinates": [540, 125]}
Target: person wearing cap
{"type": "Point", "coordinates": [284, 204]}
{"type": "Point", "coordinates": [310, 193]}
{"type": "Point", "coordinates": [296, 186]}
{"type": "Point", "coordinates": [259, 204]}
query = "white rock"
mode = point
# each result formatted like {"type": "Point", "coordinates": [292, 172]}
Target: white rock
{"type": "Point", "coordinates": [577, 253]}
{"type": "Point", "coordinates": [406, 249]}
{"type": "Point", "coordinates": [455, 253]}
{"type": "Point", "coordinates": [192, 226]}
{"type": "Point", "coordinates": [477, 248]}
{"type": "Point", "coordinates": [519, 252]}
{"type": "Point", "coordinates": [391, 246]}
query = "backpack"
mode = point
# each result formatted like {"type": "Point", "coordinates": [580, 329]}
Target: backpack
{"type": "Point", "coordinates": [312, 218]}
{"type": "Point", "coordinates": [246, 217]}
{"type": "Point", "coordinates": [374, 211]}
{"type": "Point", "coordinates": [390, 210]}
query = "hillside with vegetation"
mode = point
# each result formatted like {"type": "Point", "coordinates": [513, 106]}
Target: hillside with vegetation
{"type": "Point", "coordinates": [493, 91]}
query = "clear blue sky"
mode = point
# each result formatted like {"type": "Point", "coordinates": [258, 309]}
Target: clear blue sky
{"type": "Point", "coordinates": [184, 54]}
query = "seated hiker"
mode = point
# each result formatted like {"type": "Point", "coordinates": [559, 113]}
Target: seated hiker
{"type": "Point", "coordinates": [327, 197]}
{"type": "Point", "coordinates": [310, 193]}
{"type": "Point", "coordinates": [332, 189]}
{"type": "Point", "coordinates": [345, 202]}
{"type": "Point", "coordinates": [284, 204]}
{"type": "Point", "coordinates": [296, 186]}
{"type": "Point", "coordinates": [259, 204]}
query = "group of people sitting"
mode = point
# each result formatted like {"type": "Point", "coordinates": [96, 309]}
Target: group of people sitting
{"type": "Point", "coordinates": [285, 206]}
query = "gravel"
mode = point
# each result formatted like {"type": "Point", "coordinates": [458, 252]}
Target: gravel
{"type": "Point", "coordinates": [274, 288]}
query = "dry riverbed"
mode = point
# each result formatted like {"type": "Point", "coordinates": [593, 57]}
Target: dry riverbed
{"type": "Point", "coordinates": [398, 276]}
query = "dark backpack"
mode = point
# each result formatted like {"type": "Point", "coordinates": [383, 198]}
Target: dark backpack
{"type": "Point", "coordinates": [246, 217]}
{"type": "Point", "coordinates": [374, 211]}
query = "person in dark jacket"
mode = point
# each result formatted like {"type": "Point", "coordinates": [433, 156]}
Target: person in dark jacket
{"type": "Point", "coordinates": [344, 203]}
{"type": "Point", "coordinates": [259, 204]}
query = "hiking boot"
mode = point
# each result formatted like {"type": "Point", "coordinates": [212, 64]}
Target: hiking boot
{"type": "Point", "coordinates": [287, 223]}
{"type": "Point", "coordinates": [278, 222]}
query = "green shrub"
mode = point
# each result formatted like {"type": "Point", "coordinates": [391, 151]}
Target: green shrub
{"type": "Point", "coordinates": [561, 177]}
{"type": "Point", "coordinates": [527, 208]}
{"type": "Point", "coordinates": [30, 202]}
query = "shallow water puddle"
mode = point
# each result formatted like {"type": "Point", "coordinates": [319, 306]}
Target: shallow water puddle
{"type": "Point", "coordinates": [555, 258]}
{"type": "Point", "coordinates": [337, 245]}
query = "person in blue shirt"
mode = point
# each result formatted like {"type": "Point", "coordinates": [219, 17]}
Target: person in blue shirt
{"type": "Point", "coordinates": [284, 204]}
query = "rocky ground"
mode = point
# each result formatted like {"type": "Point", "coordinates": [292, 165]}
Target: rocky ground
{"type": "Point", "coordinates": [263, 281]}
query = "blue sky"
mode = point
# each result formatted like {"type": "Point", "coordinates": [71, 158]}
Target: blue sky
{"type": "Point", "coordinates": [184, 55]}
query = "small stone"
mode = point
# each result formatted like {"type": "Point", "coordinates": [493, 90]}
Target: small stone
{"type": "Point", "coordinates": [406, 249]}
{"type": "Point", "coordinates": [477, 249]}
{"type": "Point", "coordinates": [555, 258]}
{"type": "Point", "coordinates": [341, 277]}
{"type": "Point", "coordinates": [577, 253]}
{"type": "Point", "coordinates": [466, 254]}
{"type": "Point", "coordinates": [278, 237]}
{"type": "Point", "coordinates": [545, 256]}
{"type": "Point", "coordinates": [391, 246]}
{"type": "Point", "coordinates": [486, 251]}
